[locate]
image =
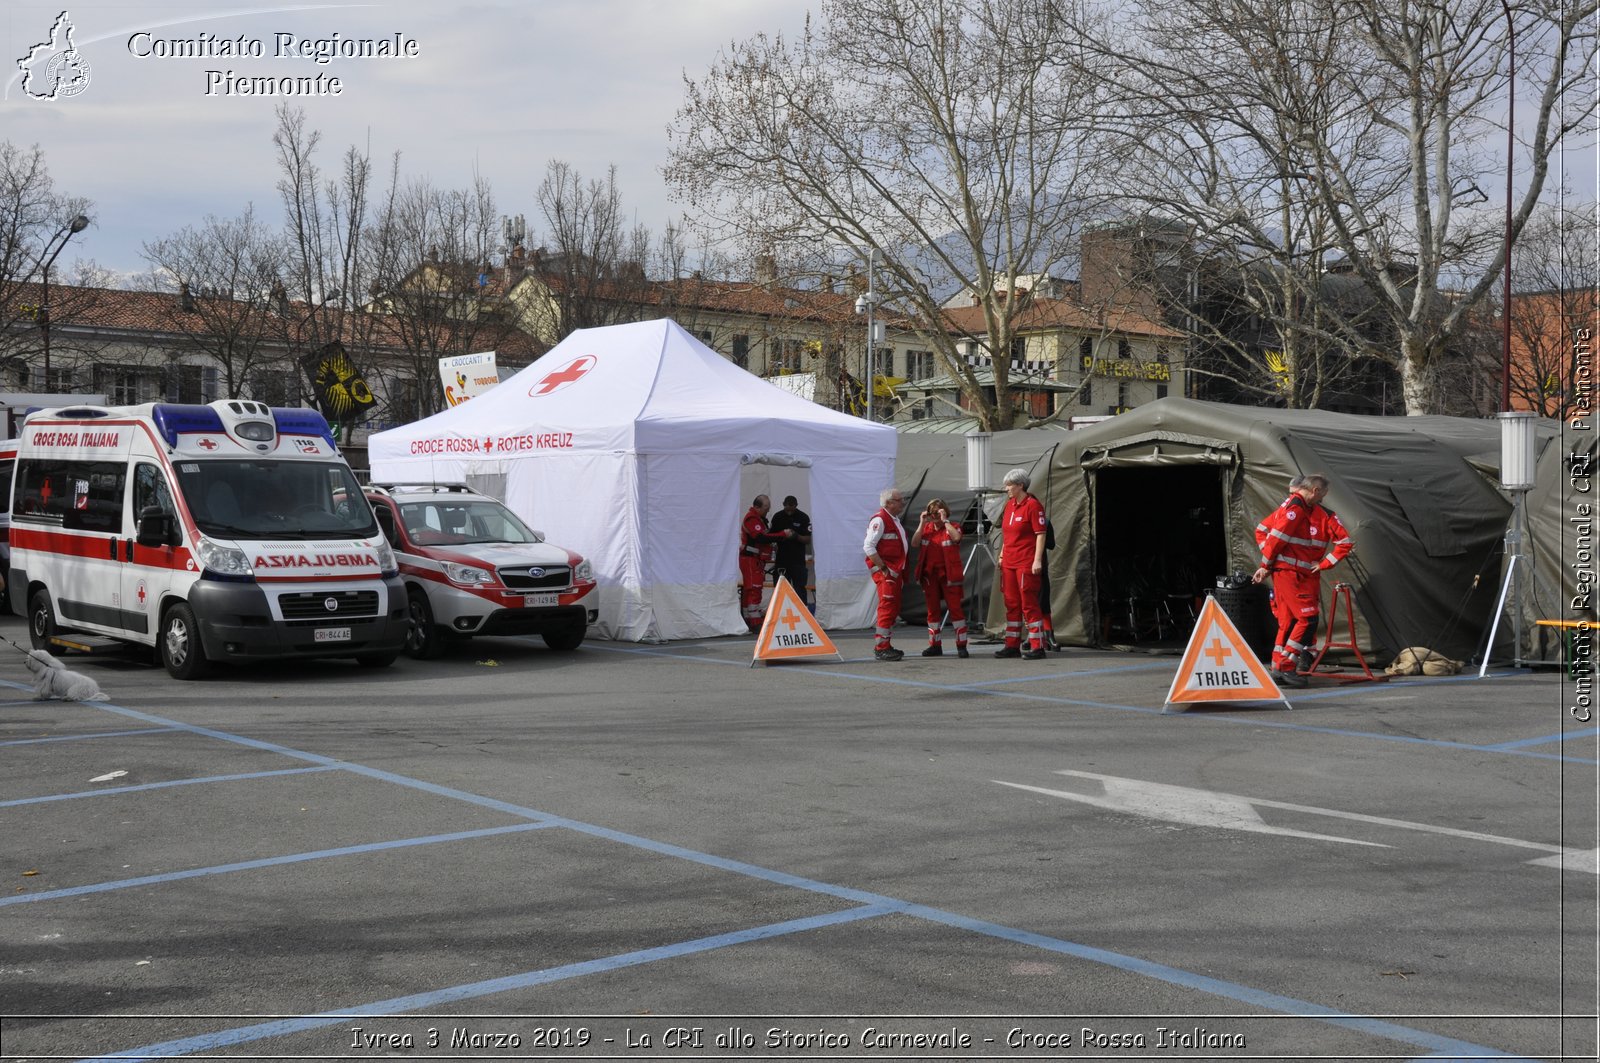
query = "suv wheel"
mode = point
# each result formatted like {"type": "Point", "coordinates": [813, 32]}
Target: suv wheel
{"type": "Point", "coordinates": [565, 640]}
{"type": "Point", "coordinates": [424, 640]}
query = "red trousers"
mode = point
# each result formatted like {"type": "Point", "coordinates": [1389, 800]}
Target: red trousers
{"type": "Point", "coordinates": [752, 575]}
{"type": "Point", "coordinates": [1296, 601]}
{"type": "Point", "coordinates": [1020, 586]}
{"type": "Point", "coordinates": [889, 589]}
{"type": "Point", "coordinates": [943, 594]}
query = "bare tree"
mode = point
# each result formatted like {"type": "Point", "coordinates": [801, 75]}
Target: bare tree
{"type": "Point", "coordinates": [1355, 136]}
{"type": "Point", "coordinates": [224, 276]}
{"type": "Point", "coordinates": [32, 216]}
{"type": "Point", "coordinates": [947, 142]}
{"type": "Point", "coordinates": [327, 271]}
{"type": "Point", "coordinates": [436, 284]}
{"type": "Point", "coordinates": [1556, 267]}
{"type": "Point", "coordinates": [595, 267]}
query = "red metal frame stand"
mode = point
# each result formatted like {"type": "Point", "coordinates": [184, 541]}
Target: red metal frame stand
{"type": "Point", "coordinates": [1341, 593]}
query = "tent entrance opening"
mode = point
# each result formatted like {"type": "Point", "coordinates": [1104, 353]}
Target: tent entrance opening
{"type": "Point", "coordinates": [1160, 543]}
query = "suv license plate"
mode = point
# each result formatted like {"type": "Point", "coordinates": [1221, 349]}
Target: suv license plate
{"type": "Point", "coordinates": [331, 634]}
{"type": "Point", "coordinates": [540, 601]}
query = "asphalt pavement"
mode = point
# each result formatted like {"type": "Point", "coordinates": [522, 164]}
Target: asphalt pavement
{"type": "Point", "coordinates": [637, 851]}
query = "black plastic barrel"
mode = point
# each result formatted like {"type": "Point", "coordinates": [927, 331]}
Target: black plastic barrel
{"type": "Point", "coordinates": [1249, 607]}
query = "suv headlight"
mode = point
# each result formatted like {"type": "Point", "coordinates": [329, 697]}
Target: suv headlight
{"type": "Point", "coordinates": [466, 574]}
{"type": "Point", "coordinates": [584, 573]}
{"type": "Point", "coordinates": [225, 562]}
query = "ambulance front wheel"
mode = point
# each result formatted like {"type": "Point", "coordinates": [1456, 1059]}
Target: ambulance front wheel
{"type": "Point", "coordinates": [41, 620]}
{"type": "Point", "coordinates": [181, 652]}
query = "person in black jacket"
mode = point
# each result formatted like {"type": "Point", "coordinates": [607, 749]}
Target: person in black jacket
{"type": "Point", "coordinates": [790, 558]}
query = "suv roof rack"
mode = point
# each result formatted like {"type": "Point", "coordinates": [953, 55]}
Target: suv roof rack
{"type": "Point", "coordinates": [462, 489]}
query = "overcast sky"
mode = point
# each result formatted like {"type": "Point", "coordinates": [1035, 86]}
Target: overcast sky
{"type": "Point", "coordinates": [499, 85]}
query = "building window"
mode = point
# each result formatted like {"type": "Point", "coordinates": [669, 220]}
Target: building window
{"type": "Point", "coordinates": [1086, 393]}
{"type": "Point", "coordinates": [1086, 351]}
{"type": "Point", "coordinates": [58, 381]}
{"type": "Point", "coordinates": [787, 358]}
{"type": "Point", "coordinates": [275, 387]}
{"type": "Point", "coordinates": [919, 365]}
{"type": "Point", "coordinates": [883, 361]}
{"type": "Point", "coordinates": [1163, 353]}
{"type": "Point", "coordinates": [1122, 394]}
{"type": "Point", "coordinates": [1124, 349]}
{"type": "Point", "coordinates": [704, 336]}
{"type": "Point", "coordinates": [122, 385]}
{"type": "Point", "coordinates": [189, 383]}
{"type": "Point", "coordinates": [1161, 391]}
{"type": "Point", "coordinates": [741, 351]}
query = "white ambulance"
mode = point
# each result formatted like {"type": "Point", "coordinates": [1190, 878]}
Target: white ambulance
{"type": "Point", "coordinates": [229, 532]}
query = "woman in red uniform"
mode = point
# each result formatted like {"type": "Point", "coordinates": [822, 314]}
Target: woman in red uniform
{"type": "Point", "coordinates": [939, 572]}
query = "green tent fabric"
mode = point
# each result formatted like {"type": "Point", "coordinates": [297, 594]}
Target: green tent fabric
{"type": "Point", "coordinates": [1561, 509]}
{"type": "Point", "coordinates": [1152, 506]}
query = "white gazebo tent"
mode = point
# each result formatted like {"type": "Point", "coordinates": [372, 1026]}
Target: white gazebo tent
{"type": "Point", "coordinates": [641, 448]}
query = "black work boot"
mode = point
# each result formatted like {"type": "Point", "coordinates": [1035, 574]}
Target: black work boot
{"type": "Point", "coordinates": [934, 650]}
{"type": "Point", "coordinates": [888, 653]}
{"type": "Point", "coordinates": [1009, 651]}
{"type": "Point", "coordinates": [1289, 679]}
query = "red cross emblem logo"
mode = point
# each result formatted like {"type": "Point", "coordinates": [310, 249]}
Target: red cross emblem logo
{"type": "Point", "coordinates": [141, 592]}
{"type": "Point", "coordinates": [207, 444]}
{"type": "Point", "coordinates": [570, 373]}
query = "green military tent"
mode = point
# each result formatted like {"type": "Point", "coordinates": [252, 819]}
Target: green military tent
{"type": "Point", "coordinates": [1153, 506]}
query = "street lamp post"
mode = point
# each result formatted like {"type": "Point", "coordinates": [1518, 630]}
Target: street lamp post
{"type": "Point", "coordinates": [65, 233]}
{"type": "Point", "coordinates": [1511, 129]}
{"type": "Point", "coordinates": [865, 304]}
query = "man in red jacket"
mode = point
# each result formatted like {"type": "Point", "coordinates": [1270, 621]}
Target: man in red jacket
{"type": "Point", "coordinates": [1299, 540]}
{"type": "Point", "coordinates": [755, 554]}
{"type": "Point", "coordinates": [885, 547]}
{"type": "Point", "coordinates": [1022, 535]}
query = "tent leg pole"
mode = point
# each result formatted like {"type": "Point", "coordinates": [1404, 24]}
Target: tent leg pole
{"type": "Point", "coordinates": [1499, 608]}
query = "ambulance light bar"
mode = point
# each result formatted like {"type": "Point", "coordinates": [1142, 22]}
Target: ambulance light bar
{"type": "Point", "coordinates": [172, 420]}
{"type": "Point", "coordinates": [303, 423]}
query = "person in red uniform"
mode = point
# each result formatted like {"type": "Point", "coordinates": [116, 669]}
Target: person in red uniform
{"type": "Point", "coordinates": [1022, 534]}
{"type": "Point", "coordinates": [1299, 541]}
{"type": "Point", "coordinates": [885, 548]}
{"type": "Point", "coordinates": [755, 554]}
{"type": "Point", "coordinates": [939, 572]}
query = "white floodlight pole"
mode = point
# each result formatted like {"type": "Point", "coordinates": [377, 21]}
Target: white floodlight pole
{"type": "Point", "coordinates": [1518, 454]}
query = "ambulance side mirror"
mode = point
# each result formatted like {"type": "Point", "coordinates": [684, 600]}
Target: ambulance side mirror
{"type": "Point", "coordinates": [156, 527]}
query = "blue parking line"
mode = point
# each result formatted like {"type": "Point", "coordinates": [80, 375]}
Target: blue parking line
{"type": "Point", "coordinates": [1546, 739]}
{"type": "Point", "coordinates": [509, 983]}
{"type": "Point", "coordinates": [268, 861]}
{"type": "Point", "coordinates": [108, 791]}
{"type": "Point", "coordinates": [872, 904]}
{"type": "Point", "coordinates": [1260, 998]}
{"type": "Point", "coordinates": [84, 737]}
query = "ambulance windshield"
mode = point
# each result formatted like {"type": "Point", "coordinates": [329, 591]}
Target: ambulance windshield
{"type": "Point", "coordinates": [275, 500]}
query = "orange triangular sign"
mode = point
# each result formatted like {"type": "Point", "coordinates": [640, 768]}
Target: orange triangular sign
{"type": "Point", "coordinates": [1219, 665]}
{"type": "Point", "coordinates": [790, 630]}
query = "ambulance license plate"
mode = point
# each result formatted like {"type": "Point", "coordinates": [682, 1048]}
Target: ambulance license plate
{"type": "Point", "coordinates": [540, 601]}
{"type": "Point", "coordinates": [331, 634]}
